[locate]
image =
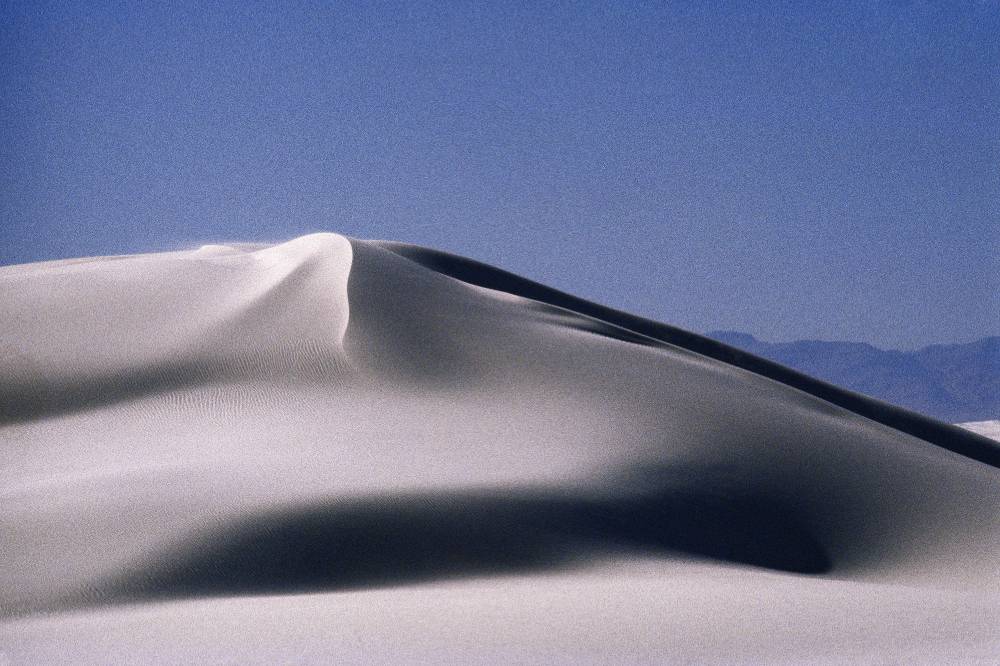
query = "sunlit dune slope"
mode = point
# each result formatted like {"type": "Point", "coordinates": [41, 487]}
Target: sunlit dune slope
{"type": "Point", "coordinates": [361, 430]}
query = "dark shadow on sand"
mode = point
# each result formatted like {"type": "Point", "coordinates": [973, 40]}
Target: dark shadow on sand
{"type": "Point", "coordinates": [396, 539]}
{"type": "Point", "coordinates": [613, 323]}
{"type": "Point", "coordinates": [25, 401]}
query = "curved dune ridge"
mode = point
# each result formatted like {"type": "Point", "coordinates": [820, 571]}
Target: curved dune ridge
{"type": "Point", "coordinates": [367, 451]}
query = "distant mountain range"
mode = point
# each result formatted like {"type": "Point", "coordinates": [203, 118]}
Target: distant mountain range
{"type": "Point", "coordinates": [953, 383]}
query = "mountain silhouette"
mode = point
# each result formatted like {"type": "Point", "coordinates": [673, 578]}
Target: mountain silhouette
{"type": "Point", "coordinates": [954, 382]}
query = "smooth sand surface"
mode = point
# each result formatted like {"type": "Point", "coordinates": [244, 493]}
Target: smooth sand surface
{"type": "Point", "coordinates": [333, 450]}
{"type": "Point", "coordinates": [989, 429]}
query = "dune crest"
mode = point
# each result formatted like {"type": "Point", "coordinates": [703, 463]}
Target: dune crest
{"type": "Point", "coordinates": [83, 335]}
{"type": "Point", "coordinates": [367, 429]}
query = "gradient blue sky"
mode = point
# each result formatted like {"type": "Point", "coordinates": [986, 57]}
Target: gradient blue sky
{"type": "Point", "coordinates": [787, 169]}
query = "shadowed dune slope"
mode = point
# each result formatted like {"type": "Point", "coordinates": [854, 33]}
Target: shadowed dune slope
{"type": "Point", "coordinates": [363, 430]}
{"type": "Point", "coordinates": [918, 425]}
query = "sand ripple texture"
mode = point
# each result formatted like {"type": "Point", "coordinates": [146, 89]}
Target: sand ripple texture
{"type": "Point", "coordinates": [335, 450]}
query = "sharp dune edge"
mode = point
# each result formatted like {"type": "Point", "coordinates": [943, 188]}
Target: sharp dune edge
{"type": "Point", "coordinates": [360, 451]}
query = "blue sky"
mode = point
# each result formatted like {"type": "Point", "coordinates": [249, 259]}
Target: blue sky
{"type": "Point", "coordinates": [820, 170]}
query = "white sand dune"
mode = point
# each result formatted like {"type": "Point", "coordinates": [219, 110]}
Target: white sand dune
{"type": "Point", "coordinates": [989, 429]}
{"type": "Point", "coordinates": [333, 450]}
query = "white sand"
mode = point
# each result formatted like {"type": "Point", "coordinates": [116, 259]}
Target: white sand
{"type": "Point", "coordinates": [989, 429]}
{"type": "Point", "coordinates": [323, 451]}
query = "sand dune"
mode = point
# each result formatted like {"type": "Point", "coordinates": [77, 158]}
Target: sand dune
{"type": "Point", "coordinates": [990, 429]}
{"type": "Point", "coordinates": [342, 450]}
